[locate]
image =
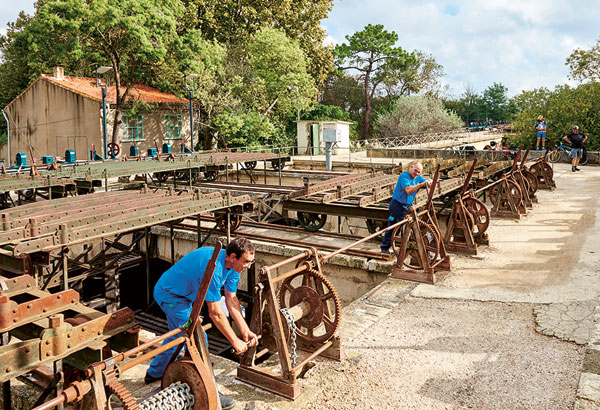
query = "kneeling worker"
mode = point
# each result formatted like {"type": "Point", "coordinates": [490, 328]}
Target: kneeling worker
{"type": "Point", "coordinates": [406, 189]}
{"type": "Point", "coordinates": [176, 290]}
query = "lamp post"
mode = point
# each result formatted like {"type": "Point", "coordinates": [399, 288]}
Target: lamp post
{"type": "Point", "coordinates": [103, 70]}
{"type": "Point", "coordinates": [190, 87]}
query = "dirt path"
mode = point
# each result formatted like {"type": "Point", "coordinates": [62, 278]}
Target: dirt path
{"type": "Point", "coordinates": [470, 341]}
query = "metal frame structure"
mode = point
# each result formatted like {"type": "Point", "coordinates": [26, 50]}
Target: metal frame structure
{"type": "Point", "coordinates": [187, 383]}
{"type": "Point", "coordinates": [53, 328]}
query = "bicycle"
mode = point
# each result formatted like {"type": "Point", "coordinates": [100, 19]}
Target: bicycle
{"type": "Point", "coordinates": [556, 153]}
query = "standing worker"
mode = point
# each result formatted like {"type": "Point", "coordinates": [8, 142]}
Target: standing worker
{"type": "Point", "coordinates": [176, 290]}
{"type": "Point", "coordinates": [408, 185]}
{"type": "Point", "coordinates": [576, 140]}
{"type": "Point", "coordinates": [540, 126]}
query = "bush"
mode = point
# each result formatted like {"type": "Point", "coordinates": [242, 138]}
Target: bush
{"type": "Point", "coordinates": [416, 115]}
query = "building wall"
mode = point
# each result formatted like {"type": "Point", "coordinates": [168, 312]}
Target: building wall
{"type": "Point", "coordinates": [44, 115]}
{"type": "Point", "coordinates": [154, 131]}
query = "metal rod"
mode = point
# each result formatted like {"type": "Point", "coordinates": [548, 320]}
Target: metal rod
{"type": "Point", "coordinates": [288, 274]}
{"type": "Point", "coordinates": [332, 254]}
{"type": "Point", "coordinates": [153, 353]}
{"type": "Point", "coordinates": [6, 396]}
{"type": "Point", "coordinates": [312, 356]}
{"type": "Point", "coordinates": [58, 368]}
{"type": "Point", "coordinates": [147, 240]}
{"type": "Point", "coordinates": [265, 163]}
{"type": "Point", "coordinates": [172, 237]}
{"type": "Point", "coordinates": [301, 255]}
{"type": "Point", "coordinates": [199, 231]}
{"type": "Point", "coordinates": [65, 269]}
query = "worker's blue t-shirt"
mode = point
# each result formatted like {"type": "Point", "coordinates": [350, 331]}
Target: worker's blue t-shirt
{"type": "Point", "coordinates": [404, 180]}
{"type": "Point", "coordinates": [180, 283]}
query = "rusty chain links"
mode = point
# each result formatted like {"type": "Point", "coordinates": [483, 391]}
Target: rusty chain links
{"type": "Point", "coordinates": [177, 396]}
{"type": "Point", "coordinates": [292, 326]}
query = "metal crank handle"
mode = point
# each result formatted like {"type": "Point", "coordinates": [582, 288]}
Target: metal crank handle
{"type": "Point", "coordinates": [247, 343]}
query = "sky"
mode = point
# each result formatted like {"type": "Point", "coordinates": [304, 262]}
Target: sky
{"type": "Point", "coordinates": [522, 44]}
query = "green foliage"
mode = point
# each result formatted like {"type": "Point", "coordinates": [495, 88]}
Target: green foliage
{"type": "Point", "coordinates": [233, 22]}
{"type": "Point", "coordinates": [372, 54]}
{"type": "Point", "coordinates": [562, 108]}
{"type": "Point", "coordinates": [321, 112]}
{"type": "Point", "coordinates": [584, 65]}
{"type": "Point", "coordinates": [244, 129]}
{"type": "Point", "coordinates": [279, 79]}
{"type": "Point", "coordinates": [415, 115]}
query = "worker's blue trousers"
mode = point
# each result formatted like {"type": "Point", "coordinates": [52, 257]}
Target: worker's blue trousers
{"type": "Point", "coordinates": [177, 315]}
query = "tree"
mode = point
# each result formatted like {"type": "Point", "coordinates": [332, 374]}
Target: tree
{"type": "Point", "coordinates": [373, 54]}
{"type": "Point", "coordinates": [422, 74]}
{"type": "Point", "coordinates": [562, 108]}
{"type": "Point", "coordinates": [134, 38]}
{"type": "Point", "coordinates": [415, 115]}
{"type": "Point", "coordinates": [585, 64]}
{"type": "Point", "coordinates": [495, 102]}
{"type": "Point", "coordinates": [233, 22]}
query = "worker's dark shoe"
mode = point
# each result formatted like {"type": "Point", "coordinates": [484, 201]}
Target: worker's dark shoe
{"type": "Point", "coordinates": [573, 169]}
{"type": "Point", "coordinates": [386, 251]}
{"type": "Point", "coordinates": [150, 379]}
{"type": "Point", "coordinates": [577, 169]}
{"type": "Point", "coordinates": [226, 402]}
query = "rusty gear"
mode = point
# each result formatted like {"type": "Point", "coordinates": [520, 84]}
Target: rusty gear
{"type": "Point", "coordinates": [115, 388]}
{"type": "Point", "coordinates": [431, 239]}
{"type": "Point", "coordinates": [322, 315]}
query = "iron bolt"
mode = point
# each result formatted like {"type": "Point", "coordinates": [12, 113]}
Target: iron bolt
{"type": "Point", "coordinates": [83, 329]}
{"type": "Point", "coordinates": [47, 342]}
{"type": "Point", "coordinates": [44, 310]}
{"type": "Point", "coordinates": [14, 310]}
{"type": "Point", "coordinates": [29, 306]}
{"type": "Point", "coordinates": [8, 369]}
{"type": "Point", "coordinates": [56, 320]}
{"type": "Point", "coordinates": [47, 354]}
{"type": "Point", "coordinates": [27, 350]}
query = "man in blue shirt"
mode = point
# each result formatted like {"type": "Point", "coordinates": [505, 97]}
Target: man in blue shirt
{"type": "Point", "coordinates": [408, 185]}
{"type": "Point", "coordinates": [176, 290]}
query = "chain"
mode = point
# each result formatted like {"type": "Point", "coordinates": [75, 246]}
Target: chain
{"type": "Point", "coordinates": [177, 396]}
{"type": "Point", "coordinates": [292, 326]}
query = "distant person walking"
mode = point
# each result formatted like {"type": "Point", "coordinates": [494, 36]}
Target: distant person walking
{"type": "Point", "coordinates": [540, 126]}
{"type": "Point", "coordinates": [576, 139]}
{"type": "Point", "coordinates": [408, 185]}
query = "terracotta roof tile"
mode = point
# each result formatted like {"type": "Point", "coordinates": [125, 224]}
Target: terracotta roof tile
{"type": "Point", "coordinates": [86, 87]}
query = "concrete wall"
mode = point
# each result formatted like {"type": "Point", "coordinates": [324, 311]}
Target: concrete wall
{"type": "Point", "coordinates": [46, 112]}
{"type": "Point", "coordinates": [303, 131]}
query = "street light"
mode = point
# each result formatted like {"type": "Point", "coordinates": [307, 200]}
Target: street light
{"type": "Point", "coordinates": [99, 71]}
{"type": "Point", "coordinates": [191, 86]}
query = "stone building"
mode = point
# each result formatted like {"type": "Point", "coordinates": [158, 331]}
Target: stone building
{"type": "Point", "coordinates": [58, 112]}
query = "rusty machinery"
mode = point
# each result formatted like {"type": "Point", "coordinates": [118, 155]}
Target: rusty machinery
{"type": "Point", "coordinates": [52, 328]}
{"type": "Point", "coordinates": [299, 308]}
{"type": "Point", "coordinates": [543, 171]}
{"type": "Point", "coordinates": [417, 243]}
{"type": "Point", "coordinates": [187, 383]}
{"type": "Point", "coordinates": [468, 220]}
{"type": "Point", "coordinates": [56, 180]}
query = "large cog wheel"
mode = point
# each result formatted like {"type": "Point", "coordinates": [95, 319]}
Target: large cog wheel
{"type": "Point", "coordinates": [325, 307]}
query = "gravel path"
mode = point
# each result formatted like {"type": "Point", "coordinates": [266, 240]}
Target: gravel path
{"type": "Point", "coordinates": [459, 354]}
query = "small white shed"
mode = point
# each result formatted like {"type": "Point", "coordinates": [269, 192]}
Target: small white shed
{"type": "Point", "coordinates": [312, 136]}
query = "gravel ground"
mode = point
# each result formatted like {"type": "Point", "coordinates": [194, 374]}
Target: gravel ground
{"type": "Point", "coordinates": [460, 354]}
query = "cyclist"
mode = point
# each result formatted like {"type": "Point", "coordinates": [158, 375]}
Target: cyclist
{"type": "Point", "coordinates": [540, 126]}
{"type": "Point", "coordinates": [576, 139]}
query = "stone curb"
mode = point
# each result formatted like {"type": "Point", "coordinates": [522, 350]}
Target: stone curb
{"type": "Point", "coordinates": [588, 390]}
